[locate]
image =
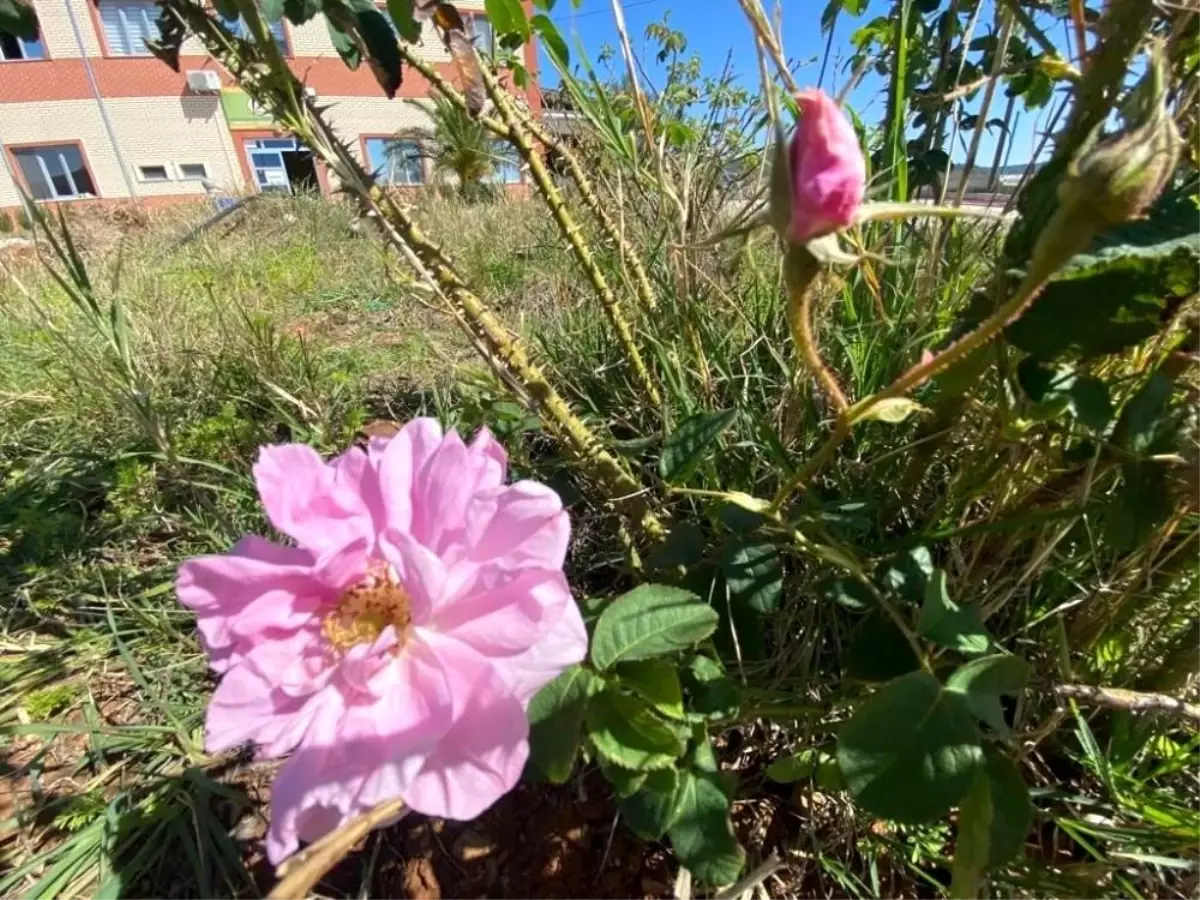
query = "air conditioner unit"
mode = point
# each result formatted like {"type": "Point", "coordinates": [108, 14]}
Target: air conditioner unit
{"type": "Point", "coordinates": [203, 81]}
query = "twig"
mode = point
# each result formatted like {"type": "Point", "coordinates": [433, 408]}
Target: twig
{"type": "Point", "coordinates": [306, 868]}
{"type": "Point", "coordinates": [749, 882]}
{"type": "Point", "coordinates": [1129, 701]}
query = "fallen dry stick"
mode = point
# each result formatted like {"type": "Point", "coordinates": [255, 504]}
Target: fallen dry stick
{"type": "Point", "coordinates": [306, 868]}
{"type": "Point", "coordinates": [1132, 701]}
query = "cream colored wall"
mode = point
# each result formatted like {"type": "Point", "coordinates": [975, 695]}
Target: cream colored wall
{"type": "Point", "coordinates": [150, 130]}
{"type": "Point", "coordinates": [60, 40]}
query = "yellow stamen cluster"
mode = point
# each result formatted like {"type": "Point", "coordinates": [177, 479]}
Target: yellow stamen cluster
{"type": "Point", "coordinates": [366, 609]}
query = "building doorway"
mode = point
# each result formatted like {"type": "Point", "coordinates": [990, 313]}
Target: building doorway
{"type": "Point", "coordinates": [281, 164]}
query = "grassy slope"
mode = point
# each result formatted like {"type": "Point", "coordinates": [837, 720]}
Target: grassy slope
{"type": "Point", "coordinates": [295, 327]}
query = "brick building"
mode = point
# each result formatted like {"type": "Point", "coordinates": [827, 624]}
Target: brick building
{"type": "Point", "coordinates": [86, 114]}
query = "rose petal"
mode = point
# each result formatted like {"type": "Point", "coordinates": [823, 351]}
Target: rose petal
{"type": "Point", "coordinates": [520, 525]}
{"type": "Point", "coordinates": [305, 499]}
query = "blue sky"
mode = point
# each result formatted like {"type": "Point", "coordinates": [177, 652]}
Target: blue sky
{"type": "Point", "coordinates": [715, 28]}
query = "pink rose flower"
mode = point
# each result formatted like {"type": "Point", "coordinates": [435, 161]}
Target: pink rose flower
{"type": "Point", "coordinates": [395, 649]}
{"type": "Point", "coordinates": [827, 170]}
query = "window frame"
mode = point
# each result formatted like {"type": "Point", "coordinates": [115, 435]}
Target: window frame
{"type": "Point", "coordinates": [139, 170]}
{"type": "Point", "coordinates": [182, 177]}
{"type": "Point", "coordinates": [13, 151]}
{"type": "Point", "coordinates": [24, 44]}
{"type": "Point", "coordinates": [102, 34]}
{"type": "Point", "coordinates": [415, 140]}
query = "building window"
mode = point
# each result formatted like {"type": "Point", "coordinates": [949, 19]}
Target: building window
{"type": "Point", "coordinates": [13, 47]}
{"type": "Point", "coordinates": [153, 173]}
{"type": "Point", "coordinates": [506, 164]}
{"type": "Point", "coordinates": [128, 24]}
{"type": "Point", "coordinates": [193, 171]}
{"type": "Point", "coordinates": [485, 37]}
{"type": "Point", "coordinates": [238, 27]}
{"type": "Point", "coordinates": [55, 172]}
{"type": "Point", "coordinates": [395, 161]}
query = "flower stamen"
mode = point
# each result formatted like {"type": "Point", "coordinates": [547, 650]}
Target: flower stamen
{"type": "Point", "coordinates": [367, 608]}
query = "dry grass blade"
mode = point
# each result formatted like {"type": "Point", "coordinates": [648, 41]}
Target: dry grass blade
{"type": "Point", "coordinates": [306, 868]}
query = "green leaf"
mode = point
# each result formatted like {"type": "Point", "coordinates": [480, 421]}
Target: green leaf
{"type": "Point", "coordinates": [649, 621]}
{"type": "Point", "coordinates": [380, 40]}
{"type": "Point", "coordinates": [1140, 504]}
{"type": "Point", "coordinates": [712, 693]}
{"type": "Point", "coordinates": [507, 17]}
{"type": "Point", "coordinates": [1109, 300]}
{"type": "Point", "coordinates": [973, 845]}
{"type": "Point", "coordinates": [627, 733]}
{"type": "Point", "coordinates": [911, 751]}
{"type": "Point", "coordinates": [552, 41]}
{"type": "Point", "coordinates": [981, 682]}
{"type": "Point", "coordinates": [297, 11]}
{"type": "Point", "coordinates": [787, 769]}
{"type": "Point", "coordinates": [946, 623]}
{"type": "Point", "coordinates": [754, 572]}
{"type": "Point", "coordinates": [345, 45]}
{"type": "Point", "coordinates": [272, 10]}
{"type": "Point", "coordinates": [555, 719]}
{"type": "Point", "coordinates": [544, 5]}
{"type": "Point", "coordinates": [893, 410]}
{"type": "Point", "coordinates": [651, 810]}
{"type": "Point", "coordinates": [1012, 811]}
{"type": "Point", "coordinates": [879, 651]}
{"type": "Point", "coordinates": [685, 448]}
{"type": "Point", "coordinates": [702, 833]}
{"type": "Point", "coordinates": [656, 680]}
{"type": "Point", "coordinates": [906, 574]}
{"type": "Point", "coordinates": [683, 547]}
{"type": "Point", "coordinates": [1142, 418]}
{"type": "Point", "coordinates": [19, 18]}
{"type": "Point", "coordinates": [848, 593]}
{"type": "Point", "coordinates": [1059, 388]}
{"type": "Point", "coordinates": [406, 22]}
{"type": "Point", "coordinates": [625, 782]}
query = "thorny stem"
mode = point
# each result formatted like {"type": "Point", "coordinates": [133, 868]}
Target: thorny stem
{"type": "Point", "coordinates": [272, 83]}
{"type": "Point", "coordinates": [801, 270]}
{"type": "Point", "coordinates": [1063, 236]}
{"type": "Point", "coordinates": [587, 193]}
{"type": "Point", "coordinates": [573, 234]}
{"type": "Point", "coordinates": [1130, 701]}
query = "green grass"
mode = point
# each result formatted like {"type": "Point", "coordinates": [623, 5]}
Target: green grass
{"type": "Point", "coordinates": [295, 326]}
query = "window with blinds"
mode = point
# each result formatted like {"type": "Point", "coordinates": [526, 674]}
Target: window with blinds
{"type": "Point", "coordinates": [128, 24]}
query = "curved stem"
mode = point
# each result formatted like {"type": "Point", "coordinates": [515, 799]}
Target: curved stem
{"type": "Point", "coordinates": [801, 271]}
{"type": "Point", "coordinates": [1063, 236]}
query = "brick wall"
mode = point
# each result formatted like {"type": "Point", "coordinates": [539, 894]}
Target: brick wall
{"type": "Point", "coordinates": [150, 131]}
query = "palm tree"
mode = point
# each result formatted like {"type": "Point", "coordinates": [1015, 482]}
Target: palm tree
{"type": "Point", "coordinates": [462, 146]}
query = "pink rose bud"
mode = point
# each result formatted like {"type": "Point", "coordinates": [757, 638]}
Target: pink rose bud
{"type": "Point", "coordinates": [825, 173]}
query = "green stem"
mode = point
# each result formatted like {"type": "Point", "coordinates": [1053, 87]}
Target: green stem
{"type": "Point", "coordinates": [801, 270]}
{"type": "Point", "coordinates": [587, 192]}
{"type": "Point", "coordinates": [1065, 235]}
{"type": "Point", "coordinates": [519, 138]}
{"type": "Point", "coordinates": [268, 79]}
